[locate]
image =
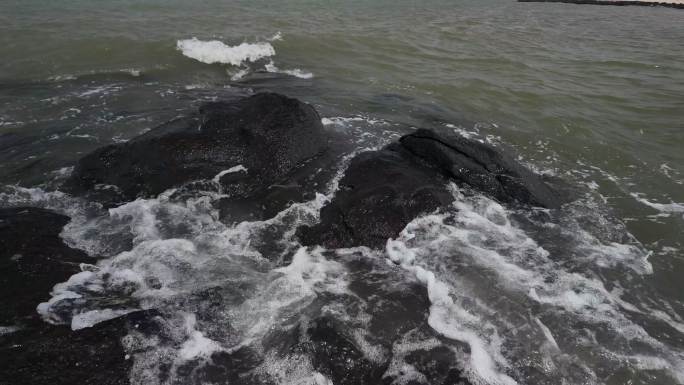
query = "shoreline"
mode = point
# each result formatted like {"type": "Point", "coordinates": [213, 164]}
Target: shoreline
{"type": "Point", "coordinates": [647, 3]}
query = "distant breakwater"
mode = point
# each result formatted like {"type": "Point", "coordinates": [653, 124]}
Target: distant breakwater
{"type": "Point", "coordinates": [611, 2]}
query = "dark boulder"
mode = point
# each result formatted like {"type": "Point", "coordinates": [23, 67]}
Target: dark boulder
{"type": "Point", "coordinates": [56, 355]}
{"type": "Point", "coordinates": [382, 191]}
{"type": "Point", "coordinates": [267, 134]}
{"type": "Point", "coordinates": [33, 259]}
{"type": "Point", "coordinates": [482, 167]}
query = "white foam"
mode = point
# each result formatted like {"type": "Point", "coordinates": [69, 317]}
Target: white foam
{"type": "Point", "coordinates": [668, 172]}
{"type": "Point", "coordinates": [276, 37]}
{"type": "Point", "coordinates": [8, 329]}
{"type": "Point", "coordinates": [671, 207]}
{"type": "Point", "coordinates": [135, 72]}
{"type": "Point", "coordinates": [44, 309]}
{"type": "Point", "coordinates": [63, 172]}
{"type": "Point", "coordinates": [214, 51]}
{"type": "Point", "coordinates": [100, 90]}
{"type": "Point", "coordinates": [344, 121]}
{"type": "Point", "coordinates": [271, 67]}
{"type": "Point", "coordinates": [239, 74]}
{"type": "Point", "coordinates": [479, 253]}
{"type": "Point", "coordinates": [197, 345]}
{"type": "Point", "coordinates": [93, 317]}
{"type": "Point", "coordinates": [288, 290]}
{"type": "Point", "coordinates": [452, 320]}
{"type": "Point", "coordinates": [470, 134]}
{"type": "Point", "coordinates": [238, 168]}
{"type": "Point", "coordinates": [547, 333]}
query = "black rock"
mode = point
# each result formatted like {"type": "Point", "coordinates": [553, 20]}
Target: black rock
{"type": "Point", "coordinates": [482, 167]}
{"type": "Point", "coordinates": [268, 134]}
{"type": "Point", "coordinates": [55, 355]}
{"type": "Point", "coordinates": [382, 191]}
{"type": "Point", "coordinates": [33, 259]}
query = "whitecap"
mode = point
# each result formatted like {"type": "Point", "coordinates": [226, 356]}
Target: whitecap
{"type": "Point", "coordinates": [276, 37]}
{"type": "Point", "coordinates": [671, 207]}
{"type": "Point", "coordinates": [271, 67]}
{"type": "Point", "coordinates": [214, 51]}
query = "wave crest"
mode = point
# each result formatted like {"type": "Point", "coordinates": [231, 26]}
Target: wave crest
{"type": "Point", "coordinates": [214, 51]}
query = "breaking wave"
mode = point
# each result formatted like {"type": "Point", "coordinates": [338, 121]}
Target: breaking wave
{"type": "Point", "coordinates": [241, 55]}
{"type": "Point", "coordinates": [518, 296]}
{"type": "Point", "coordinates": [214, 51]}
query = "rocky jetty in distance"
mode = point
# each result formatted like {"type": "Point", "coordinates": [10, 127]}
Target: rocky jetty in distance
{"type": "Point", "coordinates": [648, 3]}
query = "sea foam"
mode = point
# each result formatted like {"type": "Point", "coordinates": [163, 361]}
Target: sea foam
{"type": "Point", "coordinates": [214, 51]}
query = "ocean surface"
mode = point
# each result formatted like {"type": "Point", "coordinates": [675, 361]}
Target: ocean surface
{"type": "Point", "coordinates": [590, 294]}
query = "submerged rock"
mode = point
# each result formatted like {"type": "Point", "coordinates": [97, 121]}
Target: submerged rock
{"type": "Point", "coordinates": [244, 146]}
{"type": "Point", "coordinates": [382, 191]}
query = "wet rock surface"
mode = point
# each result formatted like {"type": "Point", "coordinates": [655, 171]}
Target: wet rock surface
{"type": "Point", "coordinates": [268, 134]}
{"type": "Point", "coordinates": [379, 194]}
{"type": "Point", "coordinates": [33, 259]}
{"type": "Point", "coordinates": [482, 167]}
{"type": "Point", "coordinates": [54, 354]}
{"type": "Point", "coordinates": [382, 191]}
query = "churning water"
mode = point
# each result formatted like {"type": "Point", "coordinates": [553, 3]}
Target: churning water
{"type": "Point", "coordinates": [588, 294]}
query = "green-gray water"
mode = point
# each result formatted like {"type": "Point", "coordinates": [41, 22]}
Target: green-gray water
{"type": "Point", "coordinates": [594, 95]}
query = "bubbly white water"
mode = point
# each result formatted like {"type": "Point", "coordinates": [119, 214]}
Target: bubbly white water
{"type": "Point", "coordinates": [270, 67]}
{"type": "Point", "coordinates": [214, 51]}
{"type": "Point", "coordinates": [238, 168]}
{"type": "Point", "coordinates": [671, 207]}
{"type": "Point", "coordinates": [482, 236]}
